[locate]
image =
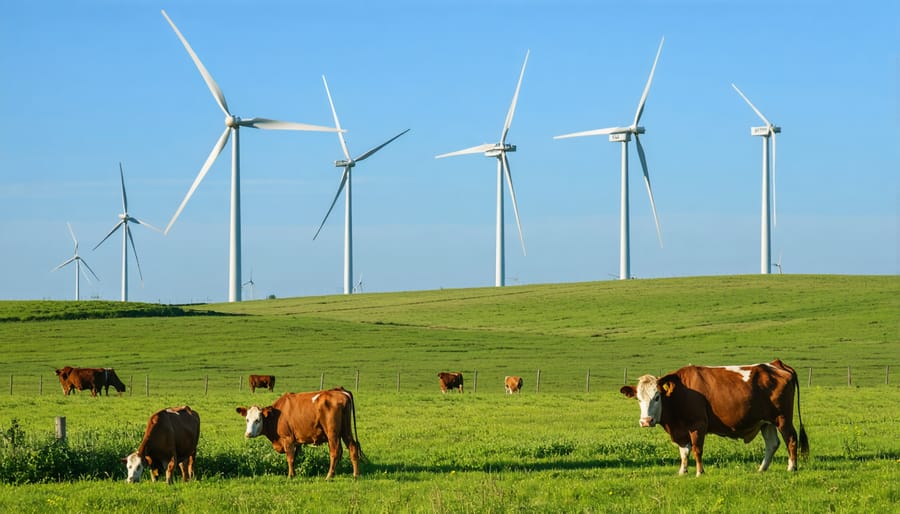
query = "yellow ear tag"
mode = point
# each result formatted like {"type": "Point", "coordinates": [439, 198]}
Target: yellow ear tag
{"type": "Point", "coordinates": [668, 387]}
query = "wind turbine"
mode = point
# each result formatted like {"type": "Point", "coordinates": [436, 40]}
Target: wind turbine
{"type": "Point", "coordinates": [78, 262]}
{"type": "Point", "coordinates": [124, 219]}
{"type": "Point", "coordinates": [768, 185]}
{"type": "Point", "coordinates": [232, 126]}
{"type": "Point", "coordinates": [499, 150]}
{"type": "Point", "coordinates": [250, 283]}
{"type": "Point", "coordinates": [346, 181]}
{"type": "Point", "coordinates": [623, 135]}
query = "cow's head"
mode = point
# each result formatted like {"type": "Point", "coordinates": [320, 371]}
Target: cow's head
{"type": "Point", "coordinates": [255, 417]}
{"type": "Point", "coordinates": [134, 467]}
{"type": "Point", "coordinates": [649, 395]}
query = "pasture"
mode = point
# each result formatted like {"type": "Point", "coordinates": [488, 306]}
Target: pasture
{"type": "Point", "coordinates": [560, 449]}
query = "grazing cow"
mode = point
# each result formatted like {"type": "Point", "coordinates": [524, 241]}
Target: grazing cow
{"type": "Point", "coordinates": [513, 385]}
{"type": "Point", "coordinates": [450, 381]}
{"type": "Point", "coordinates": [262, 381]}
{"type": "Point", "coordinates": [308, 418]}
{"type": "Point", "coordinates": [96, 379]}
{"type": "Point", "coordinates": [733, 401]}
{"type": "Point", "coordinates": [170, 438]}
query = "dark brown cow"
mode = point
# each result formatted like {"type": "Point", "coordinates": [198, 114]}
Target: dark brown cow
{"type": "Point", "coordinates": [308, 418]}
{"type": "Point", "coordinates": [732, 401]}
{"type": "Point", "coordinates": [262, 381]}
{"type": "Point", "coordinates": [170, 438]}
{"type": "Point", "coordinates": [450, 381]}
{"type": "Point", "coordinates": [513, 384]}
{"type": "Point", "coordinates": [95, 379]}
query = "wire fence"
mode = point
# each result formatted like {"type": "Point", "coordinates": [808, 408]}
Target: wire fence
{"type": "Point", "coordinates": [537, 381]}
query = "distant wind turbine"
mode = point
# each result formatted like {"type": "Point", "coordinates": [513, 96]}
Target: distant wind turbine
{"type": "Point", "coordinates": [232, 126]}
{"type": "Point", "coordinates": [499, 150]}
{"type": "Point", "coordinates": [768, 185]}
{"type": "Point", "coordinates": [124, 219]}
{"type": "Point", "coordinates": [623, 135]}
{"type": "Point", "coordinates": [78, 262]}
{"type": "Point", "coordinates": [346, 181]}
{"type": "Point", "coordinates": [250, 283]}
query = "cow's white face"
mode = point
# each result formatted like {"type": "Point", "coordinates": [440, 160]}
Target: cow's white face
{"type": "Point", "coordinates": [134, 468]}
{"type": "Point", "coordinates": [650, 400]}
{"type": "Point", "coordinates": [254, 422]}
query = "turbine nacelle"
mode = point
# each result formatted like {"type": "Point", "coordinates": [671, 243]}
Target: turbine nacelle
{"type": "Point", "coordinates": [765, 131]}
{"type": "Point", "coordinates": [499, 149]}
{"type": "Point", "coordinates": [344, 164]}
{"type": "Point", "coordinates": [232, 121]}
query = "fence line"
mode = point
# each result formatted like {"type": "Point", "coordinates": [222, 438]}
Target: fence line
{"type": "Point", "coordinates": [562, 382]}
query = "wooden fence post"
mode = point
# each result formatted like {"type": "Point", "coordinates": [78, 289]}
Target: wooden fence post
{"type": "Point", "coordinates": [131, 385]}
{"type": "Point", "coordinates": [587, 381]}
{"type": "Point", "coordinates": [625, 377]}
{"type": "Point", "coordinates": [61, 428]}
{"type": "Point", "coordinates": [147, 385]}
{"type": "Point", "coordinates": [848, 376]}
{"type": "Point", "coordinates": [206, 386]}
{"type": "Point", "coordinates": [887, 373]}
{"type": "Point", "coordinates": [809, 378]}
{"type": "Point", "coordinates": [322, 381]}
{"type": "Point", "coordinates": [475, 382]}
{"type": "Point", "coordinates": [356, 389]}
{"type": "Point", "coordinates": [10, 384]}
{"type": "Point", "coordinates": [41, 386]}
{"type": "Point", "coordinates": [241, 383]}
{"type": "Point", "coordinates": [398, 381]}
{"type": "Point", "coordinates": [538, 382]}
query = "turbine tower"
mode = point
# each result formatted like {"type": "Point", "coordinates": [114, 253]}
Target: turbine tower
{"type": "Point", "coordinates": [232, 126]}
{"type": "Point", "coordinates": [346, 181]}
{"type": "Point", "coordinates": [499, 150]}
{"type": "Point", "coordinates": [78, 262]}
{"type": "Point", "coordinates": [623, 135]}
{"type": "Point", "coordinates": [768, 185]}
{"type": "Point", "coordinates": [124, 219]}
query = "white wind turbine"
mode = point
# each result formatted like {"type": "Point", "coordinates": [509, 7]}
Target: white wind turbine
{"type": "Point", "coordinates": [346, 181]}
{"type": "Point", "coordinates": [124, 219]}
{"type": "Point", "coordinates": [623, 135]}
{"type": "Point", "coordinates": [78, 262]}
{"type": "Point", "coordinates": [768, 185]}
{"type": "Point", "coordinates": [499, 150]}
{"type": "Point", "coordinates": [250, 283]}
{"type": "Point", "coordinates": [232, 126]}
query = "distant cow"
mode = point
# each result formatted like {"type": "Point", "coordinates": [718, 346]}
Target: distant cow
{"type": "Point", "coordinates": [262, 381]}
{"type": "Point", "coordinates": [308, 418]}
{"type": "Point", "coordinates": [78, 379]}
{"type": "Point", "coordinates": [170, 438]}
{"type": "Point", "coordinates": [450, 381]}
{"type": "Point", "coordinates": [733, 401]}
{"type": "Point", "coordinates": [513, 385]}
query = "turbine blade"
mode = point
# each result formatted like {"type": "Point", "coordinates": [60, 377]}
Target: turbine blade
{"type": "Point", "coordinates": [134, 251]}
{"type": "Point", "coordinates": [89, 269]}
{"type": "Point", "coordinates": [595, 132]}
{"type": "Point", "coordinates": [512, 106]}
{"type": "Point", "coordinates": [217, 149]}
{"type": "Point", "coordinates": [640, 109]}
{"type": "Point", "coordinates": [111, 232]}
{"type": "Point", "coordinates": [144, 223]}
{"type": "Point", "coordinates": [640, 149]}
{"type": "Point", "coordinates": [379, 147]}
{"type": "Point", "coordinates": [268, 124]}
{"type": "Point", "coordinates": [337, 122]}
{"type": "Point", "coordinates": [512, 194]}
{"type": "Point", "coordinates": [340, 188]}
{"type": "Point", "coordinates": [65, 263]}
{"type": "Point", "coordinates": [124, 196]}
{"type": "Point", "coordinates": [210, 83]}
{"type": "Point", "coordinates": [751, 105]}
{"type": "Point", "coordinates": [72, 233]}
{"type": "Point", "coordinates": [475, 149]}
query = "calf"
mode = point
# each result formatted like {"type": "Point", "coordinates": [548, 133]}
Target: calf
{"type": "Point", "coordinates": [450, 381]}
{"type": "Point", "coordinates": [170, 438]}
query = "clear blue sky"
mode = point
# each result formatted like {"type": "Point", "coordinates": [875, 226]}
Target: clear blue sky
{"type": "Point", "coordinates": [89, 84]}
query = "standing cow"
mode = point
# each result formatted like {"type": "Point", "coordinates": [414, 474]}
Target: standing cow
{"type": "Point", "coordinates": [450, 381]}
{"type": "Point", "coordinates": [170, 438]}
{"type": "Point", "coordinates": [262, 381]}
{"type": "Point", "coordinates": [513, 384]}
{"type": "Point", "coordinates": [95, 379]}
{"type": "Point", "coordinates": [308, 418]}
{"type": "Point", "coordinates": [732, 401]}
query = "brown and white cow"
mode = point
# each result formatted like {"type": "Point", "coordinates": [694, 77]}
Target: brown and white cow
{"type": "Point", "coordinates": [262, 381]}
{"type": "Point", "coordinates": [308, 418]}
{"type": "Point", "coordinates": [170, 438]}
{"type": "Point", "coordinates": [731, 401]}
{"type": "Point", "coordinates": [513, 384]}
{"type": "Point", "coordinates": [95, 379]}
{"type": "Point", "coordinates": [450, 381]}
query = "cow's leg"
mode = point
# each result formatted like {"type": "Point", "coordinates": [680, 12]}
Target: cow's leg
{"type": "Point", "coordinates": [335, 450]}
{"type": "Point", "coordinates": [289, 450]}
{"type": "Point", "coordinates": [170, 468]}
{"type": "Point", "coordinates": [790, 439]}
{"type": "Point", "coordinates": [191, 466]}
{"type": "Point", "coordinates": [770, 435]}
{"type": "Point", "coordinates": [697, 438]}
{"type": "Point", "coordinates": [684, 451]}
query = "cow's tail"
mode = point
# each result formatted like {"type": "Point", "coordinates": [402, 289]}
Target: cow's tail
{"type": "Point", "coordinates": [354, 434]}
{"type": "Point", "coordinates": [802, 439]}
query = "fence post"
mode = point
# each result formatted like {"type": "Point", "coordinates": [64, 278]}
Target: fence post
{"type": "Point", "coordinates": [241, 383]}
{"type": "Point", "coordinates": [41, 386]}
{"type": "Point", "coordinates": [398, 381]}
{"type": "Point", "coordinates": [147, 385]}
{"type": "Point", "coordinates": [10, 384]}
{"type": "Point", "coordinates": [357, 382]}
{"type": "Point", "coordinates": [322, 381]}
{"type": "Point", "coordinates": [848, 376]}
{"type": "Point", "coordinates": [206, 386]}
{"type": "Point", "coordinates": [887, 373]}
{"type": "Point", "coordinates": [538, 382]}
{"type": "Point", "coordinates": [625, 377]}
{"type": "Point", "coordinates": [475, 382]}
{"type": "Point", "coordinates": [809, 378]}
{"type": "Point", "coordinates": [61, 428]}
{"type": "Point", "coordinates": [587, 381]}
{"type": "Point", "coordinates": [131, 385]}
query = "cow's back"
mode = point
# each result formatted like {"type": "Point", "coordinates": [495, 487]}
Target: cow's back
{"type": "Point", "coordinates": [307, 416]}
{"type": "Point", "coordinates": [174, 431]}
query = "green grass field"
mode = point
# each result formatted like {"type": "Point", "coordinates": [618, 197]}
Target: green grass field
{"type": "Point", "coordinates": [562, 449]}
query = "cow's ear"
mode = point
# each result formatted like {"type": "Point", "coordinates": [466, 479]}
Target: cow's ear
{"type": "Point", "coordinates": [628, 391]}
{"type": "Point", "coordinates": [242, 411]}
{"type": "Point", "coordinates": [667, 387]}
{"type": "Point", "coordinates": [265, 412]}
{"type": "Point", "coordinates": [125, 460]}
{"type": "Point", "coordinates": [148, 460]}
